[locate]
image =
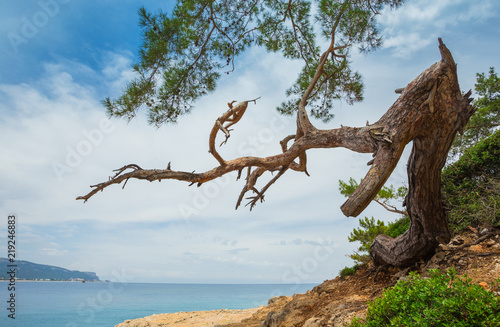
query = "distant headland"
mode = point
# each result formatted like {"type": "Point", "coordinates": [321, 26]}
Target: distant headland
{"type": "Point", "coordinates": [26, 270]}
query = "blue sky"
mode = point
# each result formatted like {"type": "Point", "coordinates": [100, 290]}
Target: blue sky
{"type": "Point", "coordinates": [59, 58]}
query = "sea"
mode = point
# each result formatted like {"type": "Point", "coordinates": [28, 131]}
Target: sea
{"type": "Point", "coordinates": [105, 304]}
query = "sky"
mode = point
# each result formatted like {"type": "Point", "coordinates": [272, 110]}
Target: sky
{"type": "Point", "coordinates": [60, 58]}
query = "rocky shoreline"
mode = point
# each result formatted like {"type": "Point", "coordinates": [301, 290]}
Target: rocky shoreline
{"type": "Point", "coordinates": [213, 318]}
{"type": "Point", "coordinates": [194, 318]}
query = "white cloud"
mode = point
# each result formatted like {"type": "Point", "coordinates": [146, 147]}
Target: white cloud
{"type": "Point", "coordinates": [58, 118]}
{"type": "Point", "coordinates": [142, 228]}
{"type": "Point", "coordinates": [54, 249]}
{"type": "Point", "coordinates": [419, 23]}
{"type": "Point", "coordinates": [118, 71]}
{"type": "Point", "coordinates": [406, 45]}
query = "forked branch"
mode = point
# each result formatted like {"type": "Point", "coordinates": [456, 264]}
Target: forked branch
{"type": "Point", "coordinates": [406, 120]}
{"type": "Point", "coordinates": [357, 139]}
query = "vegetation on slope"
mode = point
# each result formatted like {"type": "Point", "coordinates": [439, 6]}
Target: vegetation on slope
{"type": "Point", "coordinates": [471, 191]}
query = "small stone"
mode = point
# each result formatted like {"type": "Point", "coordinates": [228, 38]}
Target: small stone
{"type": "Point", "coordinates": [484, 231]}
{"type": "Point", "coordinates": [475, 248]}
{"type": "Point", "coordinates": [312, 322]}
{"type": "Point", "coordinates": [457, 240]}
{"type": "Point", "coordinates": [441, 240]}
{"type": "Point", "coordinates": [276, 299]}
{"type": "Point", "coordinates": [403, 278]}
{"type": "Point", "coordinates": [490, 243]}
{"type": "Point", "coordinates": [438, 257]}
{"type": "Point", "coordinates": [443, 247]}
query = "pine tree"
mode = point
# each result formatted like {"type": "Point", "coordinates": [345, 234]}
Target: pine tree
{"type": "Point", "coordinates": [185, 53]}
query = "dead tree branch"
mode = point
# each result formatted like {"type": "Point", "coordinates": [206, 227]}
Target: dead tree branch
{"type": "Point", "coordinates": [430, 111]}
{"type": "Point", "coordinates": [356, 139]}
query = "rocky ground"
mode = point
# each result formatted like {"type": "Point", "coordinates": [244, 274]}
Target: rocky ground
{"type": "Point", "coordinates": [335, 302]}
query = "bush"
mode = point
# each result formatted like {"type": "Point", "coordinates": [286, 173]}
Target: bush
{"type": "Point", "coordinates": [348, 271]}
{"type": "Point", "coordinates": [398, 227]}
{"type": "Point", "coordinates": [471, 185]}
{"type": "Point", "coordinates": [441, 300]}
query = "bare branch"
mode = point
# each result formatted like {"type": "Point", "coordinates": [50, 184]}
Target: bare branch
{"type": "Point", "coordinates": [304, 125]}
{"type": "Point", "coordinates": [284, 142]}
{"type": "Point", "coordinates": [233, 115]}
{"type": "Point", "coordinates": [250, 186]}
{"type": "Point", "coordinates": [356, 139]}
{"type": "Point", "coordinates": [390, 208]}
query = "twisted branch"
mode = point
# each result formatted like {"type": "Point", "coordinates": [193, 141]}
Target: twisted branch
{"type": "Point", "coordinates": [233, 115]}
{"type": "Point", "coordinates": [356, 139]}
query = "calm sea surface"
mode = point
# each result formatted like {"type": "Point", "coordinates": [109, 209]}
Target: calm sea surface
{"type": "Point", "coordinates": [73, 304]}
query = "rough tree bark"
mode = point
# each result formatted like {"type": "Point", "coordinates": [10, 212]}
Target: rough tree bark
{"type": "Point", "coordinates": [446, 112]}
{"type": "Point", "coordinates": [429, 112]}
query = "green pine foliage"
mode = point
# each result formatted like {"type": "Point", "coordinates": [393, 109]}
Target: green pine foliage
{"type": "Point", "coordinates": [383, 197]}
{"type": "Point", "coordinates": [398, 227]}
{"type": "Point", "coordinates": [471, 186]}
{"type": "Point", "coordinates": [371, 228]}
{"type": "Point", "coordinates": [367, 231]}
{"type": "Point", "coordinates": [486, 119]}
{"type": "Point", "coordinates": [186, 51]}
{"type": "Point", "coordinates": [443, 299]}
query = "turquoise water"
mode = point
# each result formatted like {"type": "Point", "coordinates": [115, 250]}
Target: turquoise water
{"type": "Point", "coordinates": [72, 304]}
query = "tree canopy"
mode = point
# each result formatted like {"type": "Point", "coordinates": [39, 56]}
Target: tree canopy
{"type": "Point", "coordinates": [185, 52]}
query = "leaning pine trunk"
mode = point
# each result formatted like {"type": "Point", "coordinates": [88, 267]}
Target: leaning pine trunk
{"type": "Point", "coordinates": [438, 115]}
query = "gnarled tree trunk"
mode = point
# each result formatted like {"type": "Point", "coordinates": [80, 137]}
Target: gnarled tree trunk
{"type": "Point", "coordinates": [432, 134]}
{"type": "Point", "coordinates": [429, 112]}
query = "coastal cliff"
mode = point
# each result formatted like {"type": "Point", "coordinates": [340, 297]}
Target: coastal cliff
{"type": "Point", "coordinates": [336, 302]}
{"type": "Point", "coordinates": [33, 271]}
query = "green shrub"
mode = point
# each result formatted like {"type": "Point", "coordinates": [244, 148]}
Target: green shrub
{"type": "Point", "coordinates": [348, 271]}
{"type": "Point", "coordinates": [441, 300]}
{"type": "Point", "coordinates": [398, 227]}
{"type": "Point", "coordinates": [471, 185]}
